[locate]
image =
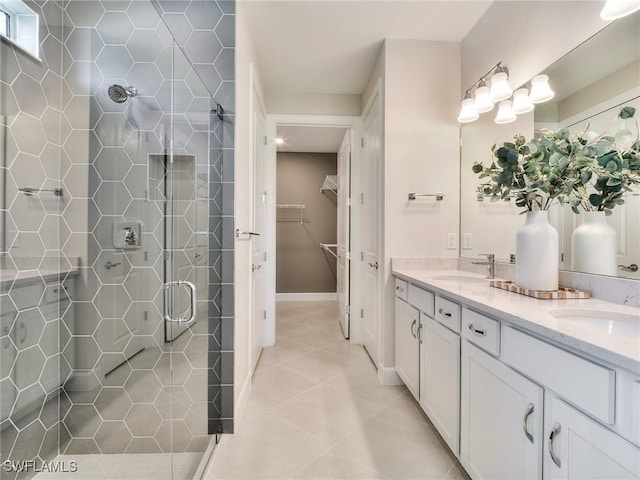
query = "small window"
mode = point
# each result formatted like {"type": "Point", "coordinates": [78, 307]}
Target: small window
{"type": "Point", "coordinates": [4, 23]}
{"type": "Point", "coordinates": [19, 25]}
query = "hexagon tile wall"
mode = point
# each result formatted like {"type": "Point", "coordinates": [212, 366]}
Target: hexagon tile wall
{"type": "Point", "coordinates": [125, 386]}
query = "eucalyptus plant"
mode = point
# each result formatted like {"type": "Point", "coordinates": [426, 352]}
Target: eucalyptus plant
{"type": "Point", "coordinates": [605, 167]}
{"type": "Point", "coordinates": [526, 172]}
{"type": "Point", "coordinates": [589, 171]}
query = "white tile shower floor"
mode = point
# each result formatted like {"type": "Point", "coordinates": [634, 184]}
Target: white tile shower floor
{"type": "Point", "coordinates": [316, 411]}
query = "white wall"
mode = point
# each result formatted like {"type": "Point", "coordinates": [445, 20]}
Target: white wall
{"type": "Point", "coordinates": [313, 103]}
{"type": "Point", "coordinates": [421, 154]}
{"type": "Point", "coordinates": [527, 36]}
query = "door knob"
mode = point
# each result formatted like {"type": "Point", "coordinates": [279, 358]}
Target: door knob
{"type": "Point", "coordinates": [373, 265]}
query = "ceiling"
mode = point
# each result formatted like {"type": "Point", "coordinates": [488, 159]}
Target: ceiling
{"type": "Point", "coordinates": [310, 138]}
{"type": "Point", "coordinates": [331, 46]}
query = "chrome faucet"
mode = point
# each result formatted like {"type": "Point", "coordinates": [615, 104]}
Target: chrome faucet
{"type": "Point", "coordinates": [491, 263]}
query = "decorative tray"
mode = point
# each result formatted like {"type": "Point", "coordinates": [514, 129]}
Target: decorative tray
{"type": "Point", "coordinates": [563, 293]}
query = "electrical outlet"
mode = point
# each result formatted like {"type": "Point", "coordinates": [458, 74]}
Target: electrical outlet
{"type": "Point", "coordinates": [451, 241]}
{"type": "Point", "coordinates": [466, 241]}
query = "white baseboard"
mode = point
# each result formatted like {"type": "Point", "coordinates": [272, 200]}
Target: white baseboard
{"type": "Point", "coordinates": [388, 376]}
{"type": "Point", "coordinates": [307, 297]}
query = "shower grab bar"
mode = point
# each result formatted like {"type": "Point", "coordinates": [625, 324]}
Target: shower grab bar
{"type": "Point", "coordinates": [28, 191]}
{"type": "Point", "coordinates": [167, 301]}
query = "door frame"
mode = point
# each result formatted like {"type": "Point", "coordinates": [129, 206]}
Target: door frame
{"type": "Point", "coordinates": [354, 125]}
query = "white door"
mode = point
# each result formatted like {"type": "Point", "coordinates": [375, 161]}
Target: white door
{"type": "Point", "coordinates": [580, 448]}
{"type": "Point", "coordinates": [258, 277]}
{"type": "Point", "coordinates": [500, 409]}
{"type": "Point", "coordinates": [371, 161]}
{"type": "Point", "coordinates": [343, 231]}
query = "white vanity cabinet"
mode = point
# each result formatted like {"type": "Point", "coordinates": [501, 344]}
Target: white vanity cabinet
{"type": "Point", "coordinates": [428, 356]}
{"type": "Point", "coordinates": [501, 419]}
{"type": "Point", "coordinates": [510, 401]}
{"type": "Point", "coordinates": [407, 345]}
{"type": "Point", "coordinates": [440, 380]}
{"type": "Point", "coordinates": [578, 447]}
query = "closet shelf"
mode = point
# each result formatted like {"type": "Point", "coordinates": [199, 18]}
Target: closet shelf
{"type": "Point", "coordinates": [330, 184]}
{"type": "Point", "coordinates": [328, 247]}
{"type": "Point", "coordinates": [289, 213]}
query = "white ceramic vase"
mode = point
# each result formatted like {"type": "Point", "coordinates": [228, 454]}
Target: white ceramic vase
{"type": "Point", "coordinates": [594, 246]}
{"type": "Point", "coordinates": [537, 253]}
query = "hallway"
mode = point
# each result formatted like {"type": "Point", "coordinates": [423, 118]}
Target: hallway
{"type": "Point", "coordinates": [316, 411]}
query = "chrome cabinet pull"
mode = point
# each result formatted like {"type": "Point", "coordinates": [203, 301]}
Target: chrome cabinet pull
{"type": "Point", "coordinates": [555, 430]}
{"type": "Point", "coordinates": [413, 324]}
{"type": "Point", "coordinates": [527, 414]}
{"type": "Point", "coordinates": [399, 288]}
{"type": "Point", "coordinates": [442, 312]}
{"type": "Point", "coordinates": [482, 333]}
{"type": "Point", "coordinates": [420, 333]}
{"type": "Point", "coordinates": [167, 301]}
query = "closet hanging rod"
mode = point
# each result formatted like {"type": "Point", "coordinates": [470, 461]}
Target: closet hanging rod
{"type": "Point", "coordinates": [290, 206]}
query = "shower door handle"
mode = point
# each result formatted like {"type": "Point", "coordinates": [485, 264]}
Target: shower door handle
{"type": "Point", "coordinates": [167, 301]}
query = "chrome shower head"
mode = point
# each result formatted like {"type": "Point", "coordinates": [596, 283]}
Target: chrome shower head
{"type": "Point", "coordinates": [120, 94]}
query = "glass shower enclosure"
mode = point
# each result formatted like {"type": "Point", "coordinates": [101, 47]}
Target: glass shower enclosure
{"type": "Point", "coordinates": [110, 308]}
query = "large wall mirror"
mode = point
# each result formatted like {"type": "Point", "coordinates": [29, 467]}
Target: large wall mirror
{"type": "Point", "coordinates": [592, 83]}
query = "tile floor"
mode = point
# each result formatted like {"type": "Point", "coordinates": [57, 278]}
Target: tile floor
{"type": "Point", "coordinates": [316, 411]}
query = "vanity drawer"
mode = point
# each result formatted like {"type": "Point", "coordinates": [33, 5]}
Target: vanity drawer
{"type": "Point", "coordinates": [448, 313]}
{"type": "Point", "coordinates": [401, 289]}
{"type": "Point", "coordinates": [422, 300]}
{"type": "Point", "coordinates": [587, 385]}
{"type": "Point", "coordinates": [482, 331]}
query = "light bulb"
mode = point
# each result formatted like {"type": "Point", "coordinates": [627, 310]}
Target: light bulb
{"type": "Point", "coordinates": [483, 101]}
{"type": "Point", "coordinates": [468, 112]}
{"type": "Point", "coordinates": [500, 89]}
{"type": "Point", "coordinates": [540, 89]}
{"type": "Point", "coordinates": [505, 113]}
{"type": "Point", "coordinates": [521, 102]}
{"type": "Point", "coordinates": [614, 9]}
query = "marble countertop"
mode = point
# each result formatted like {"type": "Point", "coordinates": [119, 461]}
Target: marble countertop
{"type": "Point", "coordinates": [621, 349]}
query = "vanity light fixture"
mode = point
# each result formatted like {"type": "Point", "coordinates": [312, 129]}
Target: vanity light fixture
{"type": "Point", "coordinates": [279, 141]}
{"type": "Point", "coordinates": [468, 113]}
{"type": "Point", "coordinates": [505, 113]}
{"type": "Point", "coordinates": [521, 102]}
{"type": "Point", "coordinates": [483, 102]}
{"type": "Point", "coordinates": [510, 103]}
{"type": "Point", "coordinates": [540, 89]}
{"type": "Point", "coordinates": [500, 89]}
{"type": "Point", "coordinates": [614, 9]}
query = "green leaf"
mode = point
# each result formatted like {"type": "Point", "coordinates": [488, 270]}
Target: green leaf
{"type": "Point", "coordinates": [477, 168]}
{"type": "Point", "coordinates": [595, 199]}
{"type": "Point", "coordinates": [627, 112]}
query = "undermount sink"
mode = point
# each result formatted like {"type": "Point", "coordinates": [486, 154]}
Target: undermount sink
{"type": "Point", "coordinates": [602, 321]}
{"type": "Point", "coordinates": [459, 278]}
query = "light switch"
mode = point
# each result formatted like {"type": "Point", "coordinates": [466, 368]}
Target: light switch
{"type": "Point", "coordinates": [451, 241]}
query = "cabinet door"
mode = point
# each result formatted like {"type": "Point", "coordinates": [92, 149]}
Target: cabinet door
{"type": "Point", "coordinates": [440, 379]}
{"type": "Point", "coordinates": [500, 419]}
{"type": "Point", "coordinates": [578, 448]}
{"type": "Point", "coordinates": [407, 357]}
